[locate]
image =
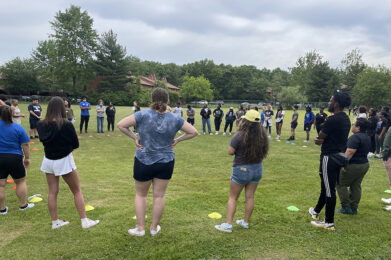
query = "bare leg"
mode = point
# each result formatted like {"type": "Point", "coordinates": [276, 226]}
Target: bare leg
{"type": "Point", "coordinates": [235, 190]}
{"type": "Point", "coordinates": [140, 202]}
{"type": "Point", "coordinates": [21, 191]}
{"type": "Point", "coordinates": [249, 191]}
{"type": "Point", "coordinates": [72, 179]}
{"type": "Point", "coordinates": [52, 196]}
{"type": "Point", "coordinates": [308, 135]}
{"type": "Point", "coordinates": [159, 190]}
{"type": "Point", "coordinates": [2, 193]}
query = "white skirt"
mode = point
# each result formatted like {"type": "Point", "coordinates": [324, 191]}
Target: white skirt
{"type": "Point", "coordinates": [58, 167]}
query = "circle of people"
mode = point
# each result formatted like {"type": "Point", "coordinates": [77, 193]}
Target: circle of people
{"type": "Point", "coordinates": [343, 160]}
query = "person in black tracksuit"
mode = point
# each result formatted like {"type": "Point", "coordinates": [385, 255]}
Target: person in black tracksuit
{"type": "Point", "coordinates": [230, 118]}
{"type": "Point", "coordinates": [371, 131]}
{"type": "Point", "coordinates": [333, 138]}
{"type": "Point", "coordinates": [110, 113]}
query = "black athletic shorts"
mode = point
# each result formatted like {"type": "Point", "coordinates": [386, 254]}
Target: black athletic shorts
{"type": "Point", "coordinates": [11, 164]}
{"type": "Point", "coordinates": [34, 123]}
{"type": "Point", "coordinates": [294, 125]}
{"type": "Point", "coordinates": [143, 172]}
{"type": "Point", "coordinates": [190, 121]}
{"type": "Point", "coordinates": [307, 127]}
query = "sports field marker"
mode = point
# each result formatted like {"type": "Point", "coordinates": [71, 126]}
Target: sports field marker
{"type": "Point", "coordinates": [214, 215]}
{"type": "Point", "coordinates": [292, 208]}
{"type": "Point", "coordinates": [31, 142]}
{"type": "Point", "coordinates": [10, 181]}
{"type": "Point", "coordinates": [136, 217]}
{"type": "Point", "coordinates": [287, 142]}
{"type": "Point", "coordinates": [34, 149]}
{"type": "Point", "coordinates": [387, 191]}
{"type": "Point", "coordinates": [14, 187]}
{"type": "Point", "coordinates": [305, 146]}
{"type": "Point", "coordinates": [35, 200]}
{"type": "Point", "coordinates": [293, 144]}
{"type": "Point", "coordinates": [90, 136]}
{"type": "Point", "coordinates": [89, 208]}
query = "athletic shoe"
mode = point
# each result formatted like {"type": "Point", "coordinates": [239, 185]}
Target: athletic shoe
{"type": "Point", "coordinates": [323, 224]}
{"type": "Point", "coordinates": [5, 211]}
{"type": "Point", "coordinates": [278, 137]}
{"type": "Point", "coordinates": [37, 136]}
{"type": "Point", "coordinates": [225, 227]}
{"type": "Point", "coordinates": [313, 214]}
{"type": "Point", "coordinates": [345, 210]}
{"type": "Point", "coordinates": [230, 133]}
{"type": "Point", "coordinates": [306, 141]}
{"type": "Point", "coordinates": [370, 154]}
{"type": "Point", "coordinates": [216, 133]}
{"type": "Point", "coordinates": [210, 134]}
{"type": "Point", "coordinates": [28, 205]}
{"type": "Point", "coordinates": [354, 211]}
{"type": "Point", "coordinates": [155, 232]}
{"type": "Point", "coordinates": [377, 156]}
{"type": "Point", "coordinates": [204, 133]}
{"type": "Point", "coordinates": [59, 223]}
{"type": "Point", "coordinates": [224, 134]}
{"type": "Point", "coordinates": [388, 201]}
{"type": "Point", "coordinates": [31, 137]}
{"type": "Point", "coordinates": [136, 232]}
{"type": "Point", "coordinates": [241, 223]}
{"type": "Point", "coordinates": [89, 223]}
{"type": "Point", "coordinates": [388, 208]}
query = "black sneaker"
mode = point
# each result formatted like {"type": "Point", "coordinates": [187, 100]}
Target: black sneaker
{"type": "Point", "coordinates": [345, 210]}
{"type": "Point", "coordinates": [31, 137]}
{"type": "Point", "coordinates": [4, 211]}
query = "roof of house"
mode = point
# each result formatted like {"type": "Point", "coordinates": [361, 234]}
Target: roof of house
{"type": "Point", "coordinates": [150, 81]}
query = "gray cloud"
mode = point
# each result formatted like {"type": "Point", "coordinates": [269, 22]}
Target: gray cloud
{"type": "Point", "coordinates": [254, 32]}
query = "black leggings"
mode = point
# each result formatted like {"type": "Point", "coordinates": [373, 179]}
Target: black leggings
{"type": "Point", "coordinates": [110, 121]}
{"type": "Point", "coordinates": [230, 124]}
{"type": "Point", "coordinates": [217, 124]}
{"type": "Point", "coordinates": [84, 119]}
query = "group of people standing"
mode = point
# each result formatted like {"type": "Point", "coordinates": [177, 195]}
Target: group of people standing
{"type": "Point", "coordinates": [85, 108]}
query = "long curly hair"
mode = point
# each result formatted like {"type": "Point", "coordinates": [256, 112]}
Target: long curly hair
{"type": "Point", "coordinates": [255, 143]}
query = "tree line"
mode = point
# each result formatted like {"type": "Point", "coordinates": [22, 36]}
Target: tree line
{"type": "Point", "coordinates": [74, 57]}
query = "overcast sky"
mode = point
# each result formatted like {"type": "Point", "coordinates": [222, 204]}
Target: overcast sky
{"type": "Point", "coordinates": [263, 33]}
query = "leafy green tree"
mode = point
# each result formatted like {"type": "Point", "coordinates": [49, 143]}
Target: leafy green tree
{"type": "Point", "coordinates": [373, 87]}
{"type": "Point", "coordinates": [20, 76]}
{"type": "Point", "coordinates": [315, 77]}
{"type": "Point", "coordinates": [352, 66]}
{"type": "Point", "coordinates": [196, 88]}
{"type": "Point", "coordinates": [45, 56]}
{"type": "Point", "coordinates": [289, 96]}
{"type": "Point", "coordinates": [111, 64]}
{"type": "Point", "coordinates": [76, 43]}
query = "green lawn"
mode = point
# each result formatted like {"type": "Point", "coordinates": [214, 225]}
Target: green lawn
{"type": "Point", "coordinates": [199, 186]}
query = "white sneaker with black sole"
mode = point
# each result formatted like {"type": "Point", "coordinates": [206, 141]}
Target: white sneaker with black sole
{"type": "Point", "coordinates": [28, 206]}
{"type": "Point", "coordinates": [4, 212]}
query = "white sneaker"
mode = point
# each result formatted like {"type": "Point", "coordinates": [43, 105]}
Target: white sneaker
{"type": "Point", "coordinates": [225, 227]}
{"type": "Point", "coordinates": [241, 223]}
{"type": "Point", "coordinates": [224, 134]}
{"type": "Point", "coordinates": [204, 133]}
{"type": "Point", "coordinates": [59, 223]}
{"type": "Point", "coordinates": [388, 208]}
{"type": "Point", "coordinates": [216, 133]}
{"type": "Point", "coordinates": [5, 212]}
{"type": "Point", "coordinates": [155, 232]}
{"type": "Point", "coordinates": [278, 137]}
{"type": "Point", "coordinates": [210, 134]}
{"type": "Point", "coordinates": [230, 133]}
{"type": "Point", "coordinates": [89, 223]}
{"type": "Point", "coordinates": [323, 224]}
{"type": "Point", "coordinates": [313, 213]}
{"type": "Point", "coordinates": [370, 154]}
{"type": "Point", "coordinates": [306, 141]}
{"type": "Point", "coordinates": [388, 201]}
{"type": "Point", "coordinates": [136, 232]}
{"type": "Point", "coordinates": [28, 206]}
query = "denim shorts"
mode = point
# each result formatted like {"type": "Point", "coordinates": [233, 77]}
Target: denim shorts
{"type": "Point", "coordinates": [247, 173]}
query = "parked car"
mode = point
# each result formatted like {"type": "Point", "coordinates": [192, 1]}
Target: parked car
{"type": "Point", "coordinates": [26, 98]}
{"type": "Point", "coordinates": [201, 102]}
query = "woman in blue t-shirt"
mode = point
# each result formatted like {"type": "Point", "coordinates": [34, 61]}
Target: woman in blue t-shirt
{"type": "Point", "coordinates": [14, 158]}
{"type": "Point", "coordinates": [154, 160]}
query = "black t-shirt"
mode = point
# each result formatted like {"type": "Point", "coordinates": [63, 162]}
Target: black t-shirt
{"type": "Point", "coordinates": [218, 113]}
{"type": "Point", "coordinates": [372, 125]}
{"type": "Point", "coordinates": [37, 109]}
{"type": "Point", "coordinates": [362, 143]}
{"type": "Point", "coordinates": [320, 118]}
{"type": "Point", "coordinates": [337, 129]}
{"type": "Point", "coordinates": [269, 113]}
{"type": "Point", "coordinates": [381, 124]}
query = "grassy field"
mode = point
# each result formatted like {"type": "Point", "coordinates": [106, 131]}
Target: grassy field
{"type": "Point", "coordinates": [199, 186]}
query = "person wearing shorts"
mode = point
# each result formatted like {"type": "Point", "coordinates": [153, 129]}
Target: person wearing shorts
{"type": "Point", "coordinates": [295, 116]}
{"type": "Point", "coordinates": [247, 167]}
{"type": "Point", "coordinates": [279, 121]}
{"type": "Point", "coordinates": [59, 139]}
{"type": "Point", "coordinates": [154, 160]}
{"type": "Point", "coordinates": [309, 118]}
{"type": "Point", "coordinates": [14, 158]}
